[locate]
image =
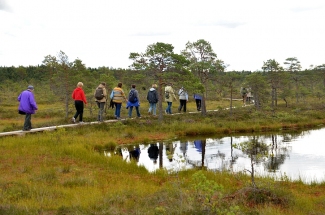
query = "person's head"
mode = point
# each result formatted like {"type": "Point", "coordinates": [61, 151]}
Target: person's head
{"type": "Point", "coordinates": [80, 84]}
{"type": "Point", "coordinates": [154, 86]}
{"type": "Point", "coordinates": [119, 85]}
{"type": "Point", "coordinates": [133, 85]}
{"type": "Point", "coordinates": [103, 83]}
{"type": "Point", "coordinates": [30, 88]}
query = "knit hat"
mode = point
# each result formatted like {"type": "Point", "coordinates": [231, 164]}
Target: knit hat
{"type": "Point", "coordinates": [30, 87]}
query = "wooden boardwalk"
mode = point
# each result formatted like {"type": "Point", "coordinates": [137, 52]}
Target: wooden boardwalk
{"type": "Point", "coordinates": [51, 128]}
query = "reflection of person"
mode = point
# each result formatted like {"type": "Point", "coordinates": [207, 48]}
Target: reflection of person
{"type": "Point", "coordinates": [135, 154]}
{"type": "Point", "coordinates": [183, 98]}
{"type": "Point", "coordinates": [101, 103]}
{"type": "Point", "coordinates": [183, 148]}
{"type": "Point", "coordinates": [243, 92]}
{"type": "Point", "coordinates": [198, 99]}
{"type": "Point", "coordinates": [152, 98]}
{"type": "Point", "coordinates": [249, 95]}
{"type": "Point", "coordinates": [169, 97]}
{"type": "Point", "coordinates": [118, 98]}
{"type": "Point", "coordinates": [27, 106]}
{"type": "Point", "coordinates": [135, 103]}
{"type": "Point", "coordinates": [153, 152]}
{"type": "Point", "coordinates": [170, 149]}
{"type": "Point", "coordinates": [79, 100]}
{"type": "Point", "coordinates": [198, 145]}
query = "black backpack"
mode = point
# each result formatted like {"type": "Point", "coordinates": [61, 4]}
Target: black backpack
{"type": "Point", "coordinates": [99, 94]}
{"type": "Point", "coordinates": [166, 94]}
{"type": "Point", "coordinates": [132, 97]}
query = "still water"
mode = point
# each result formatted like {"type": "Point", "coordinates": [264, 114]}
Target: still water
{"type": "Point", "coordinates": [297, 156]}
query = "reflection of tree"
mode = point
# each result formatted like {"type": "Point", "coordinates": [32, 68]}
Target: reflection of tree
{"type": "Point", "coordinates": [170, 149]}
{"type": "Point", "coordinates": [277, 155]}
{"type": "Point", "coordinates": [232, 157]}
{"type": "Point", "coordinates": [256, 150]}
{"type": "Point", "coordinates": [203, 152]}
{"type": "Point", "coordinates": [161, 144]}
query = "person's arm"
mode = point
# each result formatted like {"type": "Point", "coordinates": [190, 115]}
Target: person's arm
{"type": "Point", "coordinates": [19, 97]}
{"type": "Point", "coordinates": [105, 92]}
{"type": "Point", "coordinates": [123, 94]}
{"type": "Point", "coordinates": [84, 97]}
{"type": "Point", "coordinates": [137, 95]}
{"type": "Point", "coordinates": [33, 102]}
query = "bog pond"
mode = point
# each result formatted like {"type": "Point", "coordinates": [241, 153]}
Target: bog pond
{"type": "Point", "coordinates": [295, 155]}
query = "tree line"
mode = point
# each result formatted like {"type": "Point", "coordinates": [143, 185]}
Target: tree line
{"type": "Point", "coordinates": [197, 68]}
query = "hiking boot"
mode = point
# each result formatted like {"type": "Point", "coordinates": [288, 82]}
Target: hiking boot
{"type": "Point", "coordinates": [73, 120]}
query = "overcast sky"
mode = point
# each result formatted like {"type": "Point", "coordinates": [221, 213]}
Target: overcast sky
{"type": "Point", "coordinates": [243, 34]}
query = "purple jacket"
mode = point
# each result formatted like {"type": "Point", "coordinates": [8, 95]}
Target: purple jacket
{"type": "Point", "coordinates": [27, 102]}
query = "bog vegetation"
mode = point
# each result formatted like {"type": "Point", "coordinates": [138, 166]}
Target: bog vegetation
{"type": "Point", "coordinates": [65, 171]}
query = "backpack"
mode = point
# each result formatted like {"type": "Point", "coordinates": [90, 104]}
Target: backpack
{"type": "Point", "coordinates": [99, 94]}
{"type": "Point", "coordinates": [132, 97]}
{"type": "Point", "coordinates": [166, 95]}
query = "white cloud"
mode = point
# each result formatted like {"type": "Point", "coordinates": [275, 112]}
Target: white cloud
{"type": "Point", "coordinates": [103, 33]}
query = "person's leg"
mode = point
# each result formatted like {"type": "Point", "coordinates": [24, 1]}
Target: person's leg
{"type": "Point", "coordinates": [170, 107]}
{"type": "Point", "coordinates": [118, 110]}
{"type": "Point", "coordinates": [182, 101]}
{"type": "Point", "coordinates": [27, 123]}
{"type": "Point", "coordinates": [180, 106]}
{"type": "Point", "coordinates": [130, 111]}
{"type": "Point", "coordinates": [101, 111]}
{"type": "Point", "coordinates": [81, 112]}
{"type": "Point", "coordinates": [98, 117]}
{"type": "Point", "coordinates": [154, 108]}
{"type": "Point", "coordinates": [115, 109]}
{"type": "Point", "coordinates": [200, 103]}
{"type": "Point", "coordinates": [138, 111]}
{"type": "Point", "coordinates": [184, 105]}
{"type": "Point", "coordinates": [167, 107]}
{"type": "Point", "coordinates": [197, 104]}
{"type": "Point", "coordinates": [150, 108]}
{"type": "Point", "coordinates": [77, 113]}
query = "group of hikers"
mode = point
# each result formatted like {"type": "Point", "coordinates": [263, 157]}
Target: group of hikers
{"type": "Point", "coordinates": [28, 104]}
{"type": "Point", "coordinates": [117, 97]}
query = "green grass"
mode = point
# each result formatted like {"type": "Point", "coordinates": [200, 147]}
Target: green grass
{"type": "Point", "coordinates": [65, 171]}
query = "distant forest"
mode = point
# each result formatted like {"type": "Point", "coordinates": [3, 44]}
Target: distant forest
{"type": "Point", "coordinates": [197, 69]}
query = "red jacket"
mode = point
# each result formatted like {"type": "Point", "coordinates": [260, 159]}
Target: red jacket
{"type": "Point", "coordinates": [78, 94]}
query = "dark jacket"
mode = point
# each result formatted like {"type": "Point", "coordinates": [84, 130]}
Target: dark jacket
{"type": "Point", "coordinates": [152, 96]}
{"type": "Point", "coordinates": [153, 151]}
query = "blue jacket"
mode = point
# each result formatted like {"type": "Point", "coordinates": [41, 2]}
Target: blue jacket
{"type": "Point", "coordinates": [27, 102]}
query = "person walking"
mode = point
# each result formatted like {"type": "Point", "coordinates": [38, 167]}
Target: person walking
{"type": "Point", "coordinates": [27, 106]}
{"type": "Point", "coordinates": [118, 97]}
{"type": "Point", "coordinates": [243, 92]}
{"type": "Point", "coordinates": [79, 100]}
{"type": "Point", "coordinates": [101, 99]}
{"type": "Point", "coordinates": [169, 98]}
{"type": "Point", "coordinates": [133, 101]}
{"type": "Point", "coordinates": [198, 99]}
{"type": "Point", "coordinates": [152, 98]}
{"type": "Point", "coordinates": [183, 99]}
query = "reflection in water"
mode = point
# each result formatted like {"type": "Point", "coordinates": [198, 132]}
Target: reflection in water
{"type": "Point", "coordinates": [153, 152]}
{"type": "Point", "coordinates": [299, 155]}
{"type": "Point", "coordinates": [277, 156]}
